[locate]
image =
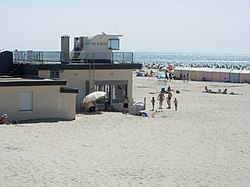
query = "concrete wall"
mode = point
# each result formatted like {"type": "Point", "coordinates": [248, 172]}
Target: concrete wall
{"type": "Point", "coordinates": [78, 79]}
{"type": "Point", "coordinates": [48, 102]}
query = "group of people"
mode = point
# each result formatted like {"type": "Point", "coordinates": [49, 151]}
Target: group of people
{"type": "Point", "coordinates": [161, 98]}
{"type": "Point", "coordinates": [184, 77]}
{"type": "Point", "coordinates": [219, 91]}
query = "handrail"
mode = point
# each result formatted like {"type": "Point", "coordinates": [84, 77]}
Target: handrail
{"type": "Point", "coordinates": [41, 57]}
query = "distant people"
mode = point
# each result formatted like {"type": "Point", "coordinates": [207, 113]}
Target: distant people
{"type": "Point", "coordinates": [160, 98]}
{"type": "Point", "coordinates": [169, 89]}
{"type": "Point", "coordinates": [206, 89]}
{"type": "Point", "coordinates": [209, 90]}
{"type": "Point", "coordinates": [151, 73]}
{"type": "Point", "coordinates": [166, 76]}
{"type": "Point", "coordinates": [225, 91]}
{"type": "Point", "coordinates": [169, 99]}
{"type": "Point", "coordinates": [92, 108]}
{"type": "Point", "coordinates": [187, 77]}
{"type": "Point", "coordinates": [175, 104]}
{"type": "Point", "coordinates": [4, 120]}
{"type": "Point", "coordinates": [125, 105]}
{"type": "Point", "coordinates": [153, 103]}
{"type": "Point", "coordinates": [107, 105]}
{"type": "Point", "coordinates": [77, 44]}
{"type": "Point", "coordinates": [184, 78]}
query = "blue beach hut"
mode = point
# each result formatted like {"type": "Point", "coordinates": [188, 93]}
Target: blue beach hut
{"type": "Point", "coordinates": [234, 76]}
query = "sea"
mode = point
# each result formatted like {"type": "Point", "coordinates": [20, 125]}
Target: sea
{"type": "Point", "coordinates": [219, 60]}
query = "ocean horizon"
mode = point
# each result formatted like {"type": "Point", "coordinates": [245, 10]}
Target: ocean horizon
{"type": "Point", "coordinates": [227, 60]}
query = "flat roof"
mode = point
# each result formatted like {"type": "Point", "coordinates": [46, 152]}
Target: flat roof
{"type": "Point", "coordinates": [17, 81]}
{"type": "Point", "coordinates": [81, 66]}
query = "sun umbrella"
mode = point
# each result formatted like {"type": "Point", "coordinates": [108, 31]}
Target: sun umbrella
{"type": "Point", "coordinates": [136, 108]}
{"type": "Point", "coordinates": [93, 97]}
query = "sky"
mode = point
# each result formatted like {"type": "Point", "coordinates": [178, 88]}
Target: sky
{"type": "Point", "coordinates": [181, 26]}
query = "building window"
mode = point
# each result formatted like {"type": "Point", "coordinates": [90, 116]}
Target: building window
{"type": "Point", "coordinates": [26, 101]}
{"type": "Point", "coordinates": [113, 44]}
{"type": "Point", "coordinates": [119, 93]}
{"type": "Point", "coordinates": [115, 92]}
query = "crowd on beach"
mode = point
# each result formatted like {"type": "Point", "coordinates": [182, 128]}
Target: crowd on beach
{"type": "Point", "coordinates": [217, 66]}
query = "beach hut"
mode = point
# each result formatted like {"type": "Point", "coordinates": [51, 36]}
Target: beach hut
{"type": "Point", "coordinates": [177, 72]}
{"type": "Point", "coordinates": [245, 76]}
{"type": "Point", "coordinates": [216, 75]}
{"type": "Point", "coordinates": [192, 74]}
{"type": "Point", "coordinates": [199, 74]}
{"type": "Point", "coordinates": [208, 74]}
{"type": "Point", "coordinates": [185, 72]}
{"type": "Point", "coordinates": [220, 75]}
{"type": "Point", "coordinates": [224, 75]}
{"type": "Point", "coordinates": [234, 76]}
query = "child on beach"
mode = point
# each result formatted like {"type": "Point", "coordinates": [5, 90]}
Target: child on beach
{"type": "Point", "coordinates": [153, 103]}
{"type": "Point", "coordinates": [175, 104]}
{"type": "Point", "coordinates": [125, 105]}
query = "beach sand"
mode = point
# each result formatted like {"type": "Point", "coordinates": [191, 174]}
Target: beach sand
{"type": "Point", "coordinates": [205, 143]}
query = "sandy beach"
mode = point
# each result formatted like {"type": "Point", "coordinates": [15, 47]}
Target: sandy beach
{"type": "Point", "coordinates": [205, 143]}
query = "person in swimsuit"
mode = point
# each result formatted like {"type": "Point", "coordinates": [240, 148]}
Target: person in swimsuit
{"type": "Point", "coordinates": [169, 99]}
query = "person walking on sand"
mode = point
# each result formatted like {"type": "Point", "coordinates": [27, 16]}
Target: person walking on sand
{"type": "Point", "coordinates": [160, 98]}
{"type": "Point", "coordinates": [125, 105]}
{"type": "Point", "coordinates": [169, 99]}
{"type": "Point", "coordinates": [175, 104]}
{"type": "Point", "coordinates": [153, 103]}
{"type": "Point", "coordinates": [184, 78]}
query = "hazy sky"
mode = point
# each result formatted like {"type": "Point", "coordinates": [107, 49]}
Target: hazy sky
{"type": "Point", "coordinates": [146, 25]}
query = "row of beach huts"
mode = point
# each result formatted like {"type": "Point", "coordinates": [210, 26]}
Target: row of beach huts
{"type": "Point", "coordinates": [212, 74]}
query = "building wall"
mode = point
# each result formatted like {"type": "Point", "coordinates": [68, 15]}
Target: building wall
{"type": "Point", "coordinates": [48, 102]}
{"type": "Point", "coordinates": [78, 79]}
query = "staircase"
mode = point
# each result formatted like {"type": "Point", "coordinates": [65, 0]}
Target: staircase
{"type": "Point", "coordinates": [16, 71]}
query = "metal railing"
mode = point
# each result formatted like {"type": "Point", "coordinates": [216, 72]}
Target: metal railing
{"type": "Point", "coordinates": [41, 57]}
